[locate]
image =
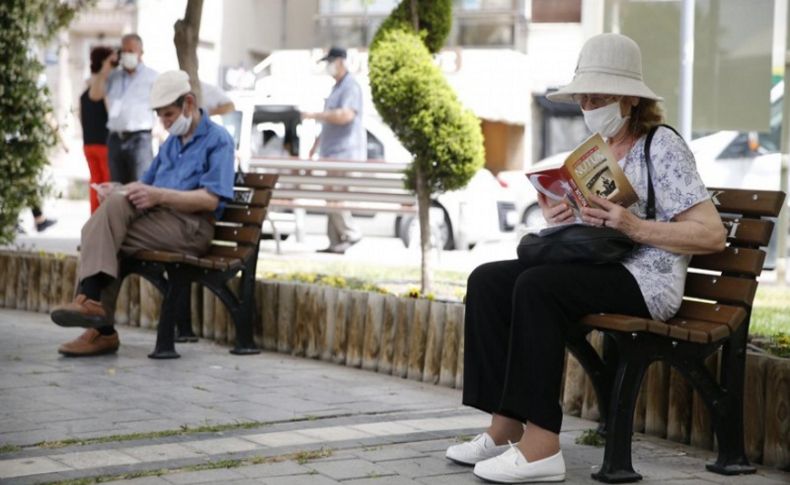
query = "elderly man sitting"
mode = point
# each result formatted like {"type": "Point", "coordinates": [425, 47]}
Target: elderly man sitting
{"type": "Point", "coordinates": [172, 208]}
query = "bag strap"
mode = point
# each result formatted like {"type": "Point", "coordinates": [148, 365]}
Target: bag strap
{"type": "Point", "coordinates": [651, 196]}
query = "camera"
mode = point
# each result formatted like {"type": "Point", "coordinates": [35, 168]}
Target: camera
{"type": "Point", "coordinates": [117, 57]}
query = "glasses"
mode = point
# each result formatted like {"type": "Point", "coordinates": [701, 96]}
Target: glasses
{"type": "Point", "coordinates": [594, 101]}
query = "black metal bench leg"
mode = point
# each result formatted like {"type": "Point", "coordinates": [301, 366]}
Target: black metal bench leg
{"type": "Point", "coordinates": [172, 306]}
{"type": "Point", "coordinates": [184, 331]}
{"type": "Point", "coordinates": [617, 467]}
{"type": "Point", "coordinates": [728, 415]}
{"type": "Point", "coordinates": [244, 316]}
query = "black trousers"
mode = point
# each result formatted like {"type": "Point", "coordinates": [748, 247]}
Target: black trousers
{"type": "Point", "coordinates": [129, 157]}
{"type": "Point", "coordinates": [517, 318]}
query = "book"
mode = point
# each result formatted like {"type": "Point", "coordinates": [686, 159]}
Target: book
{"type": "Point", "coordinates": [589, 169]}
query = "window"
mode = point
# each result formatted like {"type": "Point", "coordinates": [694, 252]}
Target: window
{"type": "Point", "coordinates": [556, 10]}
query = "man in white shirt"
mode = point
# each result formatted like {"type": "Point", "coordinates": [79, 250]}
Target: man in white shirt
{"type": "Point", "coordinates": [126, 91]}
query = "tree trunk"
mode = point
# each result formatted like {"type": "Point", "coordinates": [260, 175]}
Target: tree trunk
{"type": "Point", "coordinates": [424, 208]}
{"type": "Point", "coordinates": [187, 35]}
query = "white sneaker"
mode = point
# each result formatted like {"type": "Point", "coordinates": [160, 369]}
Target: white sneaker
{"type": "Point", "coordinates": [512, 467]}
{"type": "Point", "coordinates": [482, 447]}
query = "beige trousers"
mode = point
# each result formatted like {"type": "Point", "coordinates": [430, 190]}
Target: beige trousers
{"type": "Point", "coordinates": [117, 229]}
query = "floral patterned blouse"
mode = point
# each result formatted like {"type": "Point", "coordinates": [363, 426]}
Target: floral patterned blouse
{"type": "Point", "coordinates": [678, 187]}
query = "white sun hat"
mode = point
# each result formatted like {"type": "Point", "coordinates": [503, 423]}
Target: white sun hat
{"type": "Point", "coordinates": [168, 87]}
{"type": "Point", "coordinates": [608, 64]}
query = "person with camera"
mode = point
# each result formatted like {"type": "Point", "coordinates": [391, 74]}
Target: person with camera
{"type": "Point", "coordinates": [124, 83]}
{"type": "Point", "coordinates": [518, 315]}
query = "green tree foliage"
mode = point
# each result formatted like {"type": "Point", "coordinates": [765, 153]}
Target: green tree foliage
{"type": "Point", "coordinates": [415, 100]}
{"type": "Point", "coordinates": [25, 107]}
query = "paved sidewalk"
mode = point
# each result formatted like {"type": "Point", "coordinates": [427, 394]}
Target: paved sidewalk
{"type": "Point", "coordinates": [211, 417]}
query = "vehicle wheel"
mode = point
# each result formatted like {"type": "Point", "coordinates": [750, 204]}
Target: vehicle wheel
{"type": "Point", "coordinates": [408, 228]}
{"type": "Point", "coordinates": [532, 216]}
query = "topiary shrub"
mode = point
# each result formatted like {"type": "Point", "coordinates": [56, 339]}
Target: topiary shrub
{"type": "Point", "coordinates": [413, 97]}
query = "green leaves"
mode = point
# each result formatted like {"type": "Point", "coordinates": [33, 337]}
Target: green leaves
{"type": "Point", "coordinates": [415, 100]}
{"type": "Point", "coordinates": [25, 107]}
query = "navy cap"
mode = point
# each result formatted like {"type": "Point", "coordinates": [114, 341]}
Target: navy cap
{"type": "Point", "coordinates": [333, 54]}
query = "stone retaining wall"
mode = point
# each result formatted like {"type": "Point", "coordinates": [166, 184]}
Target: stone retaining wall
{"type": "Point", "coordinates": [414, 339]}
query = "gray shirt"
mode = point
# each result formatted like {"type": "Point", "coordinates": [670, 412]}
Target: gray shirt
{"type": "Point", "coordinates": [347, 141]}
{"type": "Point", "coordinates": [661, 274]}
{"type": "Point", "coordinates": [128, 99]}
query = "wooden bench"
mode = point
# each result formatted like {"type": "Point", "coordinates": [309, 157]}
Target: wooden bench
{"type": "Point", "coordinates": [714, 316]}
{"type": "Point", "coordinates": [330, 185]}
{"type": "Point", "coordinates": [233, 250]}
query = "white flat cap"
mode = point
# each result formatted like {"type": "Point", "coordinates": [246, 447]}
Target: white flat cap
{"type": "Point", "coordinates": [168, 87]}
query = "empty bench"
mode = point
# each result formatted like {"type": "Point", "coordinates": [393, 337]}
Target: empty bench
{"type": "Point", "coordinates": [234, 250]}
{"type": "Point", "coordinates": [330, 185]}
{"type": "Point", "coordinates": [714, 316]}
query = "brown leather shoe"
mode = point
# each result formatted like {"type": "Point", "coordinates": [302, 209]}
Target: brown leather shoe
{"type": "Point", "coordinates": [91, 342]}
{"type": "Point", "coordinates": [82, 312]}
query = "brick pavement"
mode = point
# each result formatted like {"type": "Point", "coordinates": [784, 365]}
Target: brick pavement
{"type": "Point", "coordinates": [283, 420]}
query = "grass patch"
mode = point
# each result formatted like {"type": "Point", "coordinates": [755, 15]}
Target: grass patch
{"type": "Point", "coordinates": [770, 325]}
{"type": "Point", "coordinates": [9, 448]}
{"type": "Point", "coordinates": [183, 430]}
{"type": "Point", "coordinates": [397, 280]}
{"type": "Point", "coordinates": [300, 457]}
{"type": "Point", "coordinates": [590, 438]}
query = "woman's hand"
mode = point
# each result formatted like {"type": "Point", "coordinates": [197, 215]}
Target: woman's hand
{"type": "Point", "coordinates": [611, 215]}
{"type": "Point", "coordinates": [555, 212]}
{"type": "Point", "coordinates": [143, 196]}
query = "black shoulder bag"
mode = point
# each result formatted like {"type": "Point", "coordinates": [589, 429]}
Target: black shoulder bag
{"type": "Point", "coordinates": [579, 243]}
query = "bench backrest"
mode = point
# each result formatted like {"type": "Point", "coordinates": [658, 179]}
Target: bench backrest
{"type": "Point", "coordinates": [720, 287]}
{"type": "Point", "coordinates": [237, 233]}
{"type": "Point", "coordinates": [367, 187]}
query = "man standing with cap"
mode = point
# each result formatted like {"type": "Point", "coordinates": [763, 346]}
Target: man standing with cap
{"type": "Point", "coordinates": [172, 208]}
{"type": "Point", "coordinates": [126, 92]}
{"type": "Point", "coordinates": [343, 137]}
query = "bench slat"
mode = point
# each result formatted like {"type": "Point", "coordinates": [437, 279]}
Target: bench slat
{"type": "Point", "coordinates": [230, 252]}
{"type": "Point", "coordinates": [732, 316]}
{"type": "Point", "coordinates": [252, 197]}
{"type": "Point", "coordinates": [697, 330]}
{"type": "Point", "coordinates": [347, 196]}
{"type": "Point", "coordinates": [241, 235]}
{"type": "Point", "coordinates": [283, 165]}
{"type": "Point", "coordinates": [241, 215]}
{"type": "Point", "coordinates": [732, 260]}
{"type": "Point", "coordinates": [722, 289]}
{"type": "Point", "coordinates": [747, 202]}
{"type": "Point", "coordinates": [159, 256]}
{"type": "Point", "coordinates": [369, 208]}
{"type": "Point", "coordinates": [749, 232]}
{"type": "Point", "coordinates": [286, 181]}
{"type": "Point", "coordinates": [256, 180]}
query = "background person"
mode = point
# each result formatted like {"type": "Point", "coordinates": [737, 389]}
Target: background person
{"type": "Point", "coordinates": [342, 136]}
{"type": "Point", "coordinates": [126, 91]}
{"type": "Point", "coordinates": [93, 116]}
{"type": "Point", "coordinates": [172, 208]}
{"type": "Point", "coordinates": [517, 317]}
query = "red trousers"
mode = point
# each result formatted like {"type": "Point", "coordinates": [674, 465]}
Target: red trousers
{"type": "Point", "coordinates": [100, 171]}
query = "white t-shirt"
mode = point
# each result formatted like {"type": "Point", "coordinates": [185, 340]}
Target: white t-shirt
{"type": "Point", "coordinates": [661, 275]}
{"type": "Point", "coordinates": [213, 97]}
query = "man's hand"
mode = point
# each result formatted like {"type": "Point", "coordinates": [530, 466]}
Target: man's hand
{"type": "Point", "coordinates": [143, 196]}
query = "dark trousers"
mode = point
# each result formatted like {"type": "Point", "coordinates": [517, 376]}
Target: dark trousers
{"type": "Point", "coordinates": [129, 156]}
{"type": "Point", "coordinates": [517, 318]}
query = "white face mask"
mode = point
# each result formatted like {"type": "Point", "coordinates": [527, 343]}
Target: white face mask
{"type": "Point", "coordinates": [605, 120]}
{"type": "Point", "coordinates": [181, 125]}
{"type": "Point", "coordinates": [331, 68]}
{"type": "Point", "coordinates": [129, 60]}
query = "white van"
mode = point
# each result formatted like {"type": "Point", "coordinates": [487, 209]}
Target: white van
{"type": "Point", "coordinates": [483, 210]}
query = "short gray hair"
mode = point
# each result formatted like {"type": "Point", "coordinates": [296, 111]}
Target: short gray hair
{"type": "Point", "coordinates": [134, 37]}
